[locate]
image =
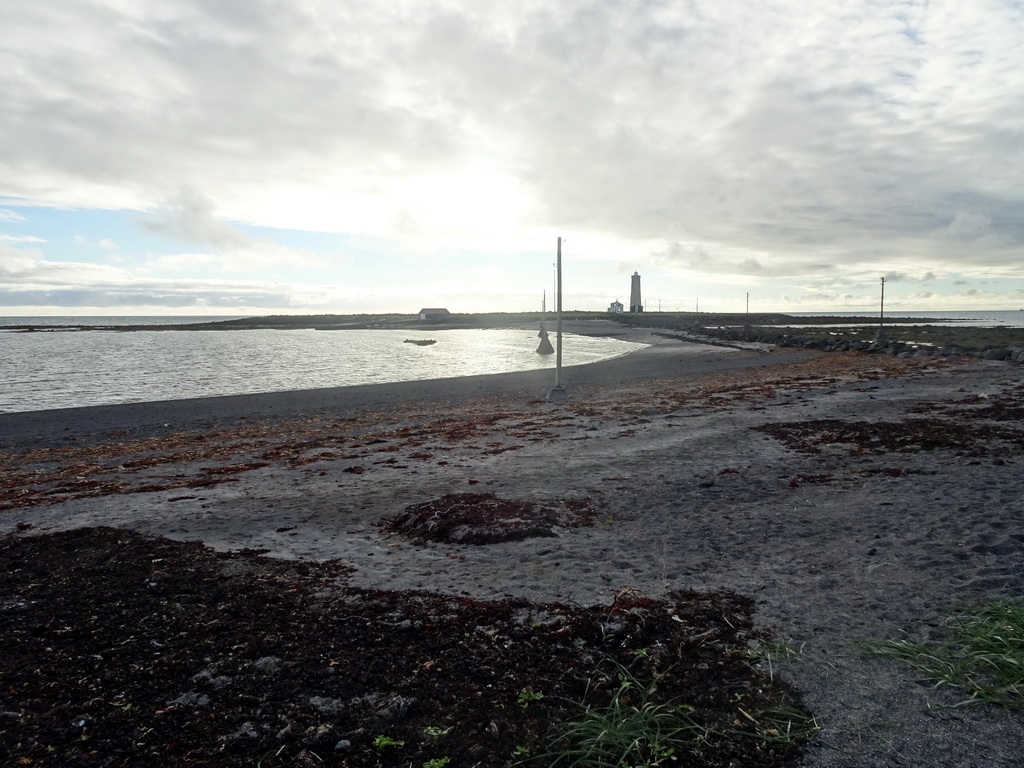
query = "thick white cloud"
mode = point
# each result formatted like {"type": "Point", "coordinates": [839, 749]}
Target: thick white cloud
{"type": "Point", "coordinates": [189, 216]}
{"type": "Point", "coordinates": [772, 140]}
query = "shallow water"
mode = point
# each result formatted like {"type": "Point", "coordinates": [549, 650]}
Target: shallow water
{"type": "Point", "coordinates": [68, 369]}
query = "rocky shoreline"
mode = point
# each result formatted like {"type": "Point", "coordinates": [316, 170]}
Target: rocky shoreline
{"type": "Point", "coordinates": [983, 344]}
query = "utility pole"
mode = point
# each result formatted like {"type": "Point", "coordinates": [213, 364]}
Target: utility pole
{"type": "Point", "coordinates": [881, 337]}
{"type": "Point", "coordinates": [557, 393]}
{"type": "Point", "coordinates": [746, 322]}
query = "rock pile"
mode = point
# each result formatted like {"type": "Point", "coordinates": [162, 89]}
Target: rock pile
{"type": "Point", "coordinates": [723, 336]}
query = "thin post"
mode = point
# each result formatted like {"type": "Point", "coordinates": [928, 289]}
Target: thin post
{"type": "Point", "coordinates": [558, 318]}
{"type": "Point", "coordinates": [881, 306]}
{"type": "Point", "coordinates": [881, 337]}
{"type": "Point", "coordinates": [746, 320]}
{"type": "Point", "coordinates": [557, 394]}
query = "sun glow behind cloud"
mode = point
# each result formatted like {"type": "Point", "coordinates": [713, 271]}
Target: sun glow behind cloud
{"type": "Point", "coordinates": [362, 157]}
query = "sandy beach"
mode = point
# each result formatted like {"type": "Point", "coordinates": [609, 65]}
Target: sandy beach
{"type": "Point", "coordinates": [852, 496]}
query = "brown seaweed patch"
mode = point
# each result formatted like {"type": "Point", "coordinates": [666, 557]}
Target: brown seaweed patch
{"type": "Point", "coordinates": [234, 660]}
{"type": "Point", "coordinates": [892, 471]}
{"type": "Point", "coordinates": [1004, 406]}
{"type": "Point", "coordinates": [799, 480]}
{"type": "Point", "coordinates": [234, 468]}
{"type": "Point", "coordinates": [882, 437]}
{"type": "Point", "coordinates": [483, 518]}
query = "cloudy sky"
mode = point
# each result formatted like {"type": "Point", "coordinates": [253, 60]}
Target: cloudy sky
{"type": "Point", "coordinates": [268, 156]}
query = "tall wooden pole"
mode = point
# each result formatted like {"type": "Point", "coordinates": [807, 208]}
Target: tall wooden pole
{"type": "Point", "coordinates": [881, 337]}
{"type": "Point", "coordinates": [558, 318]}
{"type": "Point", "coordinates": [557, 394]}
{"type": "Point", "coordinates": [881, 306]}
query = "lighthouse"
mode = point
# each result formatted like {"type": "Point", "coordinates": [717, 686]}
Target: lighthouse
{"type": "Point", "coordinates": [635, 304]}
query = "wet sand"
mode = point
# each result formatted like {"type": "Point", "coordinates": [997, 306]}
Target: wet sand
{"type": "Point", "coordinates": [693, 457]}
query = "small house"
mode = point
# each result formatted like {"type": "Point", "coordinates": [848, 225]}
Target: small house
{"type": "Point", "coordinates": [434, 314]}
{"type": "Point", "coordinates": [615, 306]}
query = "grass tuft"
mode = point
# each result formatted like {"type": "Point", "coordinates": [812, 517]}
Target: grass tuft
{"type": "Point", "coordinates": [632, 729]}
{"type": "Point", "coordinates": [983, 656]}
{"type": "Point", "coordinates": [635, 726]}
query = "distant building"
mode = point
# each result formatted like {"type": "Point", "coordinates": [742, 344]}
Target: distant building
{"type": "Point", "coordinates": [615, 306]}
{"type": "Point", "coordinates": [434, 313]}
{"type": "Point", "coordinates": [635, 303]}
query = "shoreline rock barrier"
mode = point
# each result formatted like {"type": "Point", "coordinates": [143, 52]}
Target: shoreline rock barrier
{"type": "Point", "coordinates": [723, 336]}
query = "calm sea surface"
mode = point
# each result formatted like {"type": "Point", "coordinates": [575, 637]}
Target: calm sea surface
{"type": "Point", "coordinates": [62, 369]}
{"type": "Point", "coordinates": [985, 318]}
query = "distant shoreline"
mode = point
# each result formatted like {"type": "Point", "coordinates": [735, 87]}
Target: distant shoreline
{"type": "Point", "coordinates": [670, 320]}
{"type": "Point", "coordinates": [980, 318]}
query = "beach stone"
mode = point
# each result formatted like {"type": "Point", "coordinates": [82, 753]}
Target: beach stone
{"type": "Point", "coordinates": [267, 664]}
{"type": "Point", "coordinates": [208, 676]}
{"type": "Point", "coordinates": [395, 707]}
{"type": "Point", "coordinates": [995, 353]}
{"type": "Point", "coordinates": [191, 699]}
{"type": "Point", "coordinates": [326, 706]}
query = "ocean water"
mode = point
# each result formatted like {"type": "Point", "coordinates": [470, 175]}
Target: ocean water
{"type": "Point", "coordinates": [80, 321]}
{"type": "Point", "coordinates": [982, 318]}
{"type": "Point", "coordinates": [64, 369]}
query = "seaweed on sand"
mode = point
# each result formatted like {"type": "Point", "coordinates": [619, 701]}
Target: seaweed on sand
{"type": "Point", "coordinates": [123, 649]}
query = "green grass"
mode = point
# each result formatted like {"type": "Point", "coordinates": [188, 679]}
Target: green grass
{"type": "Point", "coordinates": [631, 730]}
{"type": "Point", "coordinates": [770, 653]}
{"type": "Point", "coordinates": [635, 726]}
{"type": "Point", "coordinates": [984, 655]}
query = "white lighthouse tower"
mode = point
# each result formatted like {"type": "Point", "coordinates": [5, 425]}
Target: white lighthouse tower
{"type": "Point", "coordinates": [635, 304]}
